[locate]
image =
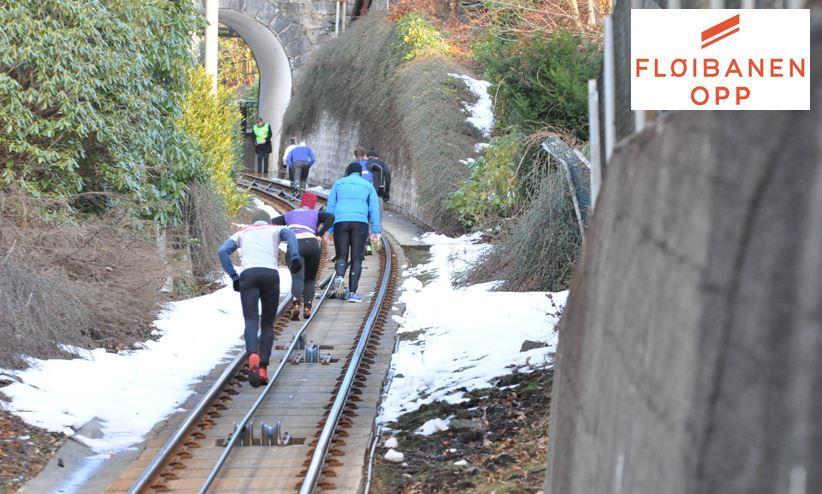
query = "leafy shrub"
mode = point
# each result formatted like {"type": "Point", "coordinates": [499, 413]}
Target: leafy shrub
{"type": "Point", "coordinates": [488, 193]}
{"type": "Point", "coordinates": [541, 79]}
{"type": "Point", "coordinates": [89, 98]}
{"type": "Point", "coordinates": [211, 121]}
{"type": "Point", "coordinates": [420, 38]}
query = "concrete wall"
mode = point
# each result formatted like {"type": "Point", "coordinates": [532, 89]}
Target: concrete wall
{"type": "Point", "coordinates": [334, 142]}
{"type": "Point", "coordinates": [690, 356]}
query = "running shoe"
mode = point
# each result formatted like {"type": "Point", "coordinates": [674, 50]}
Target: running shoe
{"type": "Point", "coordinates": [337, 289]}
{"type": "Point", "coordinates": [263, 375]}
{"type": "Point", "coordinates": [254, 370]}
{"type": "Point", "coordinates": [295, 310]}
{"type": "Point", "coordinates": [353, 297]}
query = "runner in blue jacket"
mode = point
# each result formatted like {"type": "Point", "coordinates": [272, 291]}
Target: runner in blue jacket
{"type": "Point", "coordinates": [299, 162]}
{"type": "Point", "coordinates": [352, 201]}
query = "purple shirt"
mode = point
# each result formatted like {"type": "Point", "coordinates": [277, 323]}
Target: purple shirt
{"type": "Point", "coordinates": [302, 220]}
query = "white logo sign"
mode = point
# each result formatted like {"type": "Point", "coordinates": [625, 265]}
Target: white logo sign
{"type": "Point", "coordinates": [713, 59]}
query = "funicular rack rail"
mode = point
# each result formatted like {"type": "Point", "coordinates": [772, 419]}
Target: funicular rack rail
{"type": "Point", "coordinates": [169, 464]}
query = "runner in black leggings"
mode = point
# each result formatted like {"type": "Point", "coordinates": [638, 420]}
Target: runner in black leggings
{"type": "Point", "coordinates": [309, 225]}
{"type": "Point", "coordinates": [353, 201]}
{"type": "Point", "coordinates": [259, 285]}
{"type": "Point", "coordinates": [350, 236]}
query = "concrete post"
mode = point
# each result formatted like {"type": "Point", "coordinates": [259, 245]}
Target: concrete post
{"type": "Point", "coordinates": [211, 38]}
{"type": "Point", "coordinates": [594, 144]}
{"type": "Point", "coordinates": [608, 77]}
{"type": "Point", "coordinates": [337, 20]}
{"type": "Point", "coordinates": [674, 4]}
{"type": "Point", "coordinates": [344, 13]}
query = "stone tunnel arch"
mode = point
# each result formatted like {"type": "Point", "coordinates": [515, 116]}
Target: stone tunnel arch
{"type": "Point", "coordinates": [280, 34]}
{"type": "Point", "coordinates": [273, 66]}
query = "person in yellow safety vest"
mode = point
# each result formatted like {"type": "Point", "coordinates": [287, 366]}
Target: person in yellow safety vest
{"type": "Point", "coordinates": [262, 145]}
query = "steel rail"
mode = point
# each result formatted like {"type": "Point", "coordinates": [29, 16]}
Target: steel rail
{"type": "Point", "coordinates": [318, 458]}
{"type": "Point", "coordinates": [239, 427]}
{"type": "Point", "coordinates": [160, 459]}
{"type": "Point", "coordinates": [212, 476]}
{"type": "Point", "coordinates": [276, 182]}
{"type": "Point", "coordinates": [314, 471]}
{"type": "Point", "coordinates": [254, 182]}
{"type": "Point", "coordinates": [194, 415]}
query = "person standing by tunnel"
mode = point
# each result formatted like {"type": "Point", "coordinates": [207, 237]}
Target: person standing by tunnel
{"type": "Point", "coordinates": [353, 201]}
{"type": "Point", "coordinates": [309, 225]}
{"type": "Point", "coordinates": [259, 285]}
{"type": "Point", "coordinates": [262, 144]}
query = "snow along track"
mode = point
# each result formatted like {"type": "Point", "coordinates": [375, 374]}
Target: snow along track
{"type": "Point", "coordinates": [315, 403]}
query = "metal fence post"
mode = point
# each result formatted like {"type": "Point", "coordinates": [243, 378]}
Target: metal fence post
{"type": "Point", "coordinates": [211, 40]}
{"type": "Point", "coordinates": [594, 145]}
{"type": "Point", "coordinates": [608, 78]}
{"type": "Point", "coordinates": [639, 115]}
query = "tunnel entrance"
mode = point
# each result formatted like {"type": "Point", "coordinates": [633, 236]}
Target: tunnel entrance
{"type": "Point", "coordinates": [275, 78]}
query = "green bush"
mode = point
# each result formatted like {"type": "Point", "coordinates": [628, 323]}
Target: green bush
{"type": "Point", "coordinates": [420, 38]}
{"type": "Point", "coordinates": [211, 121]}
{"type": "Point", "coordinates": [488, 194]}
{"type": "Point", "coordinates": [90, 95]}
{"type": "Point", "coordinates": [541, 79]}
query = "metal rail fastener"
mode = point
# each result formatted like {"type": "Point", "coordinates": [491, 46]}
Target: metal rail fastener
{"type": "Point", "coordinates": [194, 415]}
{"type": "Point", "coordinates": [235, 437]}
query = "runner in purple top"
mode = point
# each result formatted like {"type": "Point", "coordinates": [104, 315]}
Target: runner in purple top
{"type": "Point", "coordinates": [308, 225]}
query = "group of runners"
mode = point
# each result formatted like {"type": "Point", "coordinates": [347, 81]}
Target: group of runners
{"type": "Point", "coordinates": [351, 218]}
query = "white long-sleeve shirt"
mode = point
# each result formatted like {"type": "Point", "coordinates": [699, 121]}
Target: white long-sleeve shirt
{"type": "Point", "coordinates": [287, 152]}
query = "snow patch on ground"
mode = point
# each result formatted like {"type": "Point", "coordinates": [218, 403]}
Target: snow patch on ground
{"type": "Point", "coordinates": [131, 391]}
{"type": "Point", "coordinates": [320, 189]}
{"type": "Point", "coordinates": [481, 112]}
{"type": "Point", "coordinates": [433, 425]}
{"type": "Point", "coordinates": [265, 207]}
{"type": "Point", "coordinates": [461, 338]}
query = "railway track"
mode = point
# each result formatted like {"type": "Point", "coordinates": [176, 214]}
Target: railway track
{"type": "Point", "coordinates": [304, 431]}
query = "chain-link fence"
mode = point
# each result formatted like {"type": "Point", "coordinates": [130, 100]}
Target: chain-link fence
{"type": "Point", "coordinates": [610, 115]}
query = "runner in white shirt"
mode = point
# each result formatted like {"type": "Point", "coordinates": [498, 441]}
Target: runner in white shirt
{"type": "Point", "coordinates": [259, 285]}
{"type": "Point", "coordinates": [292, 143]}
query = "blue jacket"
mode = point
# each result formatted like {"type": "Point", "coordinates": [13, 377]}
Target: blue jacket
{"type": "Point", "coordinates": [300, 153]}
{"type": "Point", "coordinates": [366, 173]}
{"type": "Point", "coordinates": [353, 198]}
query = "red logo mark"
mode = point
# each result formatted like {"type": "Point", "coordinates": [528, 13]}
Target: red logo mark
{"type": "Point", "coordinates": [720, 31]}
